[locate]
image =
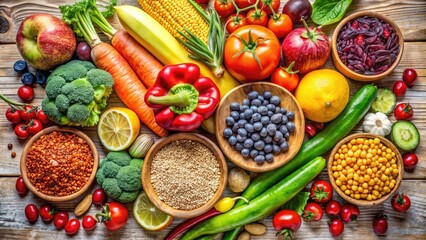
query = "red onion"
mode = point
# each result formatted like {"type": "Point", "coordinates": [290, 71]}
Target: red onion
{"type": "Point", "coordinates": [308, 48]}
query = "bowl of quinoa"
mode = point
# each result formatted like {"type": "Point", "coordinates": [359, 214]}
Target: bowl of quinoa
{"type": "Point", "coordinates": [59, 164]}
{"type": "Point", "coordinates": [184, 174]}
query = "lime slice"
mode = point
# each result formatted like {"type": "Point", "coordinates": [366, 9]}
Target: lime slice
{"type": "Point", "coordinates": [385, 101]}
{"type": "Point", "coordinates": [148, 216]}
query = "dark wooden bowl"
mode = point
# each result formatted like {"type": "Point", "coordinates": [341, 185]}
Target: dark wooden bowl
{"type": "Point", "coordinates": [287, 100]}
{"type": "Point", "coordinates": [146, 175]}
{"type": "Point", "coordinates": [361, 202]}
{"type": "Point", "coordinates": [51, 198]}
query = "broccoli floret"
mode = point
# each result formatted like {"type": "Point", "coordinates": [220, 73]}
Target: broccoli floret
{"type": "Point", "coordinates": [88, 65]}
{"type": "Point", "coordinates": [62, 103]}
{"type": "Point", "coordinates": [126, 197]}
{"type": "Point", "coordinates": [136, 162]}
{"type": "Point", "coordinates": [78, 91]}
{"type": "Point", "coordinates": [70, 71]}
{"type": "Point", "coordinates": [120, 158]}
{"type": "Point", "coordinates": [129, 178]}
{"type": "Point", "coordinates": [54, 86]}
{"type": "Point", "coordinates": [78, 113]}
{"type": "Point", "coordinates": [51, 110]}
{"type": "Point", "coordinates": [111, 187]}
{"type": "Point", "coordinates": [102, 83]}
{"type": "Point", "coordinates": [110, 169]}
{"type": "Point", "coordinates": [100, 177]}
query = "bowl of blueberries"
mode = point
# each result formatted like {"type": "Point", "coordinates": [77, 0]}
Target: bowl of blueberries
{"type": "Point", "coordinates": [259, 126]}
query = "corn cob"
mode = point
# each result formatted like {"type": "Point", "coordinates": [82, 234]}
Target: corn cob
{"type": "Point", "coordinates": [176, 15]}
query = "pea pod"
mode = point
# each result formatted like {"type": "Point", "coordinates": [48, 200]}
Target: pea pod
{"type": "Point", "coordinates": [261, 206]}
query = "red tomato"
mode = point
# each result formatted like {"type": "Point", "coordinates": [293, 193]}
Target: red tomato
{"type": "Point", "coordinates": [252, 53]}
{"type": "Point", "coordinates": [47, 212]}
{"type": "Point", "coordinates": [72, 226]}
{"type": "Point", "coordinates": [114, 215]}
{"type": "Point", "coordinates": [99, 197]}
{"type": "Point", "coordinates": [410, 160]}
{"type": "Point", "coordinates": [380, 224]}
{"type": "Point", "coordinates": [349, 212]}
{"type": "Point", "coordinates": [336, 227]}
{"type": "Point", "coordinates": [281, 25]}
{"type": "Point", "coordinates": [310, 130]}
{"type": "Point", "coordinates": [34, 126]}
{"type": "Point", "coordinates": [399, 88]}
{"type": "Point", "coordinates": [286, 77]}
{"type": "Point", "coordinates": [26, 93]}
{"type": "Point", "coordinates": [257, 17]}
{"type": "Point", "coordinates": [333, 208]}
{"type": "Point", "coordinates": [60, 220]}
{"type": "Point", "coordinates": [400, 202]}
{"type": "Point", "coordinates": [287, 219]}
{"type": "Point", "coordinates": [403, 111]}
{"type": "Point", "coordinates": [409, 76]}
{"type": "Point", "coordinates": [21, 131]}
{"type": "Point", "coordinates": [321, 191]}
{"type": "Point", "coordinates": [244, 3]}
{"type": "Point", "coordinates": [20, 186]}
{"type": "Point", "coordinates": [312, 212]}
{"type": "Point", "coordinates": [12, 115]}
{"type": "Point", "coordinates": [234, 22]}
{"type": "Point", "coordinates": [224, 7]}
{"type": "Point", "coordinates": [42, 117]}
{"type": "Point", "coordinates": [31, 212]}
{"type": "Point", "coordinates": [28, 113]}
{"type": "Point", "coordinates": [266, 5]}
{"type": "Point", "coordinates": [89, 223]}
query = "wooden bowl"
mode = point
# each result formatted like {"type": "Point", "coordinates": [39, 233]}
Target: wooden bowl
{"type": "Point", "coordinates": [361, 202]}
{"type": "Point", "coordinates": [352, 74]}
{"type": "Point", "coordinates": [146, 175]}
{"type": "Point", "coordinates": [288, 101]}
{"type": "Point", "coordinates": [51, 198]}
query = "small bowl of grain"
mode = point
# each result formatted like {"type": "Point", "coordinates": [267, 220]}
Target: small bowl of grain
{"type": "Point", "coordinates": [184, 174]}
{"type": "Point", "coordinates": [59, 164]}
{"type": "Point", "coordinates": [365, 169]}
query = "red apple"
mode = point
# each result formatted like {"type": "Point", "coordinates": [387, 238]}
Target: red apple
{"type": "Point", "coordinates": [45, 41]}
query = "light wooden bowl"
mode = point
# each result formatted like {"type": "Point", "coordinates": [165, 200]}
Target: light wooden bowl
{"type": "Point", "coordinates": [361, 202]}
{"type": "Point", "coordinates": [146, 175]}
{"type": "Point", "coordinates": [287, 100]}
{"type": "Point", "coordinates": [352, 74]}
{"type": "Point", "coordinates": [51, 198]}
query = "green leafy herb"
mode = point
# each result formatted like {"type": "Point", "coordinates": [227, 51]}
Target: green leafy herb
{"type": "Point", "coordinates": [298, 202]}
{"type": "Point", "coordinates": [326, 12]}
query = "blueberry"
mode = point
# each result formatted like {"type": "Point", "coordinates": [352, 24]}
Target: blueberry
{"type": "Point", "coordinates": [290, 115]}
{"type": "Point", "coordinates": [276, 118]}
{"type": "Point", "coordinates": [241, 139]}
{"type": "Point", "coordinates": [249, 127]}
{"type": "Point", "coordinates": [232, 140]}
{"type": "Point", "coordinates": [271, 128]}
{"type": "Point", "coordinates": [227, 132]}
{"type": "Point", "coordinates": [276, 148]}
{"type": "Point", "coordinates": [41, 77]}
{"type": "Point", "coordinates": [242, 132]}
{"type": "Point", "coordinates": [243, 108]}
{"type": "Point", "coordinates": [254, 153]}
{"type": "Point", "coordinates": [256, 102]}
{"type": "Point", "coordinates": [265, 103]}
{"type": "Point", "coordinates": [290, 126]}
{"type": "Point", "coordinates": [255, 136]}
{"type": "Point", "coordinates": [263, 132]}
{"type": "Point", "coordinates": [262, 153]}
{"type": "Point", "coordinates": [28, 79]}
{"type": "Point", "coordinates": [229, 121]}
{"type": "Point", "coordinates": [20, 66]}
{"type": "Point", "coordinates": [278, 137]}
{"type": "Point", "coordinates": [245, 152]}
{"type": "Point", "coordinates": [283, 129]}
{"type": "Point", "coordinates": [269, 157]}
{"type": "Point", "coordinates": [284, 146]}
{"type": "Point", "coordinates": [252, 95]}
{"type": "Point", "coordinates": [287, 135]}
{"type": "Point", "coordinates": [239, 146]}
{"type": "Point", "coordinates": [277, 110]}
{"type": "Point", "coordinates": [234, 106]}
{"type": "Point", "coordinates": [261, 98]}
{"type": "Point", "coordinates": [235, 115]}
{"type": "Point", "coordinates": [267, 148]}
{"type": "Point", "coordinates": [254, 109]}
{"type": "Point", "coordinates": [268, 139]}
{"type": "Point", "coordinates": [259, 159]}
{"type": "Point", "coordinates": [248, 112]}
{"type": "Point", "coordinates": [270, 113]}
{"type": "Point", "coordinates": [257, 126]}
{"type": "Point", "coordinates": [275, 100]}
{"type": "Point", "coordinates": [283, 111]}
{"type": "Point", "coordinates": [267, 94]}
{"type": "Point", "coordinates": [262, 110]}
{"type": "Point", "coordinates": [284, 119]}
{"type": "Point", "coordinates": [270, 107]}
{"type": "Point", "coordinates": [246, 102]}
{"type": "Point", "coordinates": [259, 145]}
{"type": "Point", "coordinates": [242, 123]}
{"type": "Point", "coordinates": [256, 117]}
{"type": "Point", "coordinates": [235, 127]}
{"type": "Point", "coordinates": [248, 143]}
{"type": "Point", "coordinates": [265, 120]}
{"type": "Point", "coordinates": [242, 116]}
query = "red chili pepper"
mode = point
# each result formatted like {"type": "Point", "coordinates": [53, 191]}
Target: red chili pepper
{"type": "Point", "coordinates": [181, 98]}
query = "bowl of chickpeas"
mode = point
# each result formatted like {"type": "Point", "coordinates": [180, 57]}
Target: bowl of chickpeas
{"type": "Point", "coordinates": [365, 169]}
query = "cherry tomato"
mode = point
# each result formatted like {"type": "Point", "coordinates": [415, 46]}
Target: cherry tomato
{"type": "Point", "coordinates": [349, 212]}
{"type": "Point", "coordinates": [72, 226]}
{"type": "Point", "coordinates": [403, 111]}
{"type": "Point", "coordinates": [20, 186]}
{"type": "Point", "coordinates": [244, 3]}
{"type": "Point", "coordinates": [287, 219]}
{"type": "Point", "coordinates": [321, 191]}
{"type": "Point", "coordinates": [310, 130]}
{"type": "Point", "coordinates": [31, 212]}
{"type": "Point", "coordinates": [380, 224]}
{"type": "Point", "coordinates": [409, 77]}
{"type": "Point", "coordinates": [286, 77]}
{"type": "Point", "coordinates": [400, 202]}
{"type": "Point", "coordinates": [28, 113]}
{"type": "Point", "coordinates": [47, 212]}
{"type": "Point", "coordinates": [34, 126]}
{"type": "Point", "coordinates": [281, 25]}
{"type": "Point", "coordinates": [114, 215]}
{"type": "Point", "coordinates": [21, 131]}
{"type": "Point", "coordinates": [333, 208]}
{"type": "Point", "coordinates": [99, 197]}
{"type": "Point", "coordinates": [336, 227]}
{"type": "Point", "coordinates": [266, 5]}
{"type": "Point", "coordinates": [399, 88]}
{"type": "Point", "coordinates": [234, 22]}
{"type": "Point", "coordinates": [257, 17]}
{"type": "Point", "coordinates": [60, 220]}
{"type": "Point", "coordinates": [312, 212]}
{"type": "Point", "coordinates": [12, 115]}
{"type": "Point", "coordinates": [252, 53]}
{"type": "Point", "coordinates": [224, 8]}
{"type": "Point", "coordinates": [26, 93]}
{"type": "Point", "coordinates": [410, 160]}
{"type": "Point", "coordinates": [42, 117]}
{"type": "Point", "coordinates": [89, 223]}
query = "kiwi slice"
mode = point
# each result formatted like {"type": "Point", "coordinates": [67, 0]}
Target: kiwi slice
{"type": "Point", "coordinates": [405, 135]}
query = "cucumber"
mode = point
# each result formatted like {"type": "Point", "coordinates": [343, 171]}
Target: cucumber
{"type": "Point", "coordinates": [385, 101]}
{"type": "Point", "coordinates": [405, 135]}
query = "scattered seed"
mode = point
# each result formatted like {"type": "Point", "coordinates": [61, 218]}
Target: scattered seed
{"type": "Point", "coordinates": [10, 146]}
{"type": "Point", "coordinates": [13, 154]}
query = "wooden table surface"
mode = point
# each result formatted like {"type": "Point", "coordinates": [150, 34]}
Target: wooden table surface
{"type": "Point", "coordinates": [410, 16]}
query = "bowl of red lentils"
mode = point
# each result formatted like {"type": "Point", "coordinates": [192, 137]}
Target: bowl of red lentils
{"type": "Point", "coordinates": [184, 174]}
{"type": "Point", "coordinates": [59, 164]}
{"type": "Point", "coordinates": [365, 169]}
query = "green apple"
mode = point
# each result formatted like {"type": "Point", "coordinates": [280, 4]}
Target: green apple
{"type": "Point", "coordinates": [45, 41]}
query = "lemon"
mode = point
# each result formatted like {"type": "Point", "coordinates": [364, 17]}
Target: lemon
{"type": "Point", "coordinates": [148, 216]}
{"type": "Point", "coordinates": [118, 128]}
{"type": "Point", "coordinates": [322, 94]}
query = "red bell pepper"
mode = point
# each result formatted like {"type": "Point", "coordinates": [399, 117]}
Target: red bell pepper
{"type": "Point", "coordinates": [181, 98]}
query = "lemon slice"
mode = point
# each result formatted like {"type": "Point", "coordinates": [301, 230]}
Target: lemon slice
{"type": "Point", "coordinates": [118, 128]}
{"type": "Point", "coordinates": [385, 101]}
{"type": "Point", "coordinates": [148, 216]}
